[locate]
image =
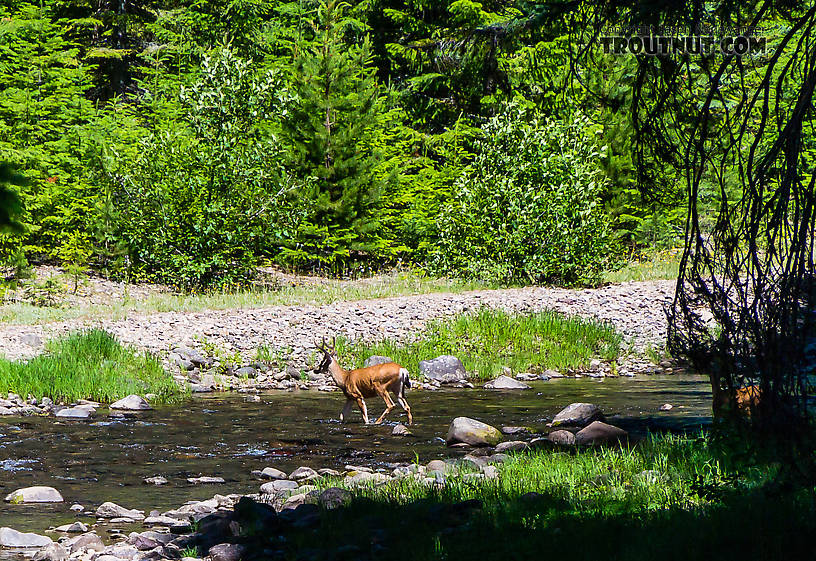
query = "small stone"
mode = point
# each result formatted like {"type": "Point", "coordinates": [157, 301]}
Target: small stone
{"type": "Point", "coordinates": [360, 469]}
{"type": "Point", "coordinates": [506, 383]}
{"type": "Point", "coordinates": [157, 480]}
{"type": "Point", "coordinates": [113, 510]}
{"type": "Point", "coordinates": [490, 472]}
{"type": "Point", "coordinates": [666, 407]}
{"type": "Point", "coordinates": [131, 403]}
{"type": "Point", "coordinates": [512, 446]}
{"type": "Point", "coordinates": [227, 552]}
{"type": "Point", "coordinates": [400, 430]}
{"type": "Point", "coordinates": [334, 497]}
{"type": "Point", "coordinates": [52, 552]}
{"type": "Point", "coordinates": [272, 473]}
{"type": "Point", "coordinates": [87, 542]}
{"type": "Point", "coordinates": [278, 485]}
{"type": "Point", "coordinates": [561, 438]}
{"type": "Point", "coordinates": [303, 473]}
{"type": "Point", "coordinates": [514, 430]}
{"type": "Point", "coordinates": [37, 494]}
{"type": "Point", "coordinates": [75, 528]}
{"type": "Point", "coordinates": [77, 508]}
{"type": "Point", "coordinates": [205, 480]}
{"type": "Point", "coordinates": [437, 465]}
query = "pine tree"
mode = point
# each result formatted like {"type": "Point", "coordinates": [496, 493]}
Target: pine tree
{"type": "Point", "coordinates": [330, 129]}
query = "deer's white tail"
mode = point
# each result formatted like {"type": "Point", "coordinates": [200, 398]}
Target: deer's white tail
{"type": "Point", "coordinates": [404, 378]}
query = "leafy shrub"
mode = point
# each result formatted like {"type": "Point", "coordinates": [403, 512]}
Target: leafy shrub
{"type": "Point", "coordinates": [198, 205]}
{"type": "Point", "coordinates": [528, 208]}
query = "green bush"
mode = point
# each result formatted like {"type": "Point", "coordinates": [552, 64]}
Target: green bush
{"type": "Point", "coordinates": [198, 205]}
{"type": "Point", "coordinates": [528, 209]}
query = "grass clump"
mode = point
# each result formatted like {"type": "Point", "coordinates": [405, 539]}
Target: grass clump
{"type": "Point", "coordinates": [89, 364]}
{"type": "Point", "coordinates": [489, 339]}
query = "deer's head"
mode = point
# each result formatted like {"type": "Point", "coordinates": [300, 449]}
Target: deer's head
{"type": "Point", "coordinates": [329, 355]}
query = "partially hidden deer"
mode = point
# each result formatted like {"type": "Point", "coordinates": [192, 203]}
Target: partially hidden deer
{"type": "Point", "coordinates": [361, 383]}
{"type": "Point", "coordinates": [742, 401]}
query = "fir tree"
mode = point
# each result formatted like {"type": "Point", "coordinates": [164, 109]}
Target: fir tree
{"type": "Point", "coordinates": [331, 128]}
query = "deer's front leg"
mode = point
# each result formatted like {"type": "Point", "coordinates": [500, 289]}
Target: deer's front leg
{"type": "Point", "coordinates": [346, 409]}
{"type": "Point", "coordinates": [361, 404]}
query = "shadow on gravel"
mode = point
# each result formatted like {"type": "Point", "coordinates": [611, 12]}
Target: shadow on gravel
{"type": "Point", "coordinates": [765, 524]}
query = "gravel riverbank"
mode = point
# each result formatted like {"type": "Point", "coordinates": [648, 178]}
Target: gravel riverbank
{"type": "Point", "coordinates": [636, 309]}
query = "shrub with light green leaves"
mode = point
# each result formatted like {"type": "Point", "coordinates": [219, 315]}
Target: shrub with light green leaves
{"type": "Point", "coordinates": [528, 209]}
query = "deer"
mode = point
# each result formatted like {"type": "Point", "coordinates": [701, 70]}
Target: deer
{"type": "Point", "coordinates": [742, 401]}
{"type": "Point", "coordinates": [366, 382]}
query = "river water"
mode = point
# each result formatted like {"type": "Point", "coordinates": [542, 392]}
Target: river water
{"type": "Point", "coordinates": [227, 435]}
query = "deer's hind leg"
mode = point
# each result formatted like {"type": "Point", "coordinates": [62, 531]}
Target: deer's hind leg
{"type": "Point", "coordinates": [404, 404]}
{"type": "Point", "coordinates": [389, 404]}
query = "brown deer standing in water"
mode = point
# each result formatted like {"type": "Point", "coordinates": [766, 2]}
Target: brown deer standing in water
{"type": "Point", "coordinates": [366, 382]}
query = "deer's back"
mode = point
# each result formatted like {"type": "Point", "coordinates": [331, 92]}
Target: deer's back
{"type": "Point", "coordinates": [366, 381]}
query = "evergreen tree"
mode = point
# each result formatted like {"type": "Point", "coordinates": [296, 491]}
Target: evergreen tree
{"type": "Point", "coordinates": [10, 206]}
{"type": "Point", "coordinates": [330, 128]}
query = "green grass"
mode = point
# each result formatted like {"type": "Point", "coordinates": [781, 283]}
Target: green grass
{"type": "Point", "coordinates": [88, 365]}
{"type": "Point", "coordinates": [327, 291]}
{"type": "Point", "coordinates": [489, 339]}
{"type": "Point", "coordinates": [661, 265]}
{"type": "Point", "coordinates": [591, 504]}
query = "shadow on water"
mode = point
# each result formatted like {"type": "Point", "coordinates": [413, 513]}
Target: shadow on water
{"type": "Point", "coordinates": [228, 436]}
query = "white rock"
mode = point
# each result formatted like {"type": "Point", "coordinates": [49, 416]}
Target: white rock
{"type": "Point", "coordinates": [131, 403]}
{"type": "Point", "coordinates": [37, 494]}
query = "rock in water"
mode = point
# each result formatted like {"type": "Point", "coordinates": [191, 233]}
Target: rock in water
{"type": "Point", "coordinates": [272, 473]}
{"type": "Point", "coordinates": [445, 369]}
{"type": "Point", "coordinates": [278, 485]}
{"type": "Point", "coordinates": [577, 415]}
{"type": "Point", "coordinates": [600, 433]}
{"type": "Point", "coordinates": [470, 431]}
{"type": "Point", "coordinates": [34, 495]}
{"type": "Point", "coordinates": [12, 538]}
{"type": "Point", "coordinates": [131, 403]}
{"type": "Point", "coordinates": [75, 412]}
{"type": "Point", "coordinates": [113, 510]}
{"type": "Point", "coordinates": [506, 383]}
{"type": "Point", "coordinates": [400, 430]}
{"type": "Point", "coordinates": [227, 552]}
{"type": "Point", "coordinates": [52, 552]}
{"type": "Point", "coordinates": [373, 360]}
{"type": "Point", "coordinates": [561, 438]}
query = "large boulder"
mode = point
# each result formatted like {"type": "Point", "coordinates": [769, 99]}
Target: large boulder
{"type": "Point", "coordinates": [34, 495]}
{"type": "Point", "coordinates": [113, 510]}
{"type": "Point", "coordinates": [470, 431]}
{"type": "Point", "coordinates": [132, 402]}
{"type": "Point", "coordinates": [600, 433]}
{"type": "Point", "coordinates": [374, 360]}
{"type": "Point", "coordinates": [445, 369]}
{"type": "Point", "coordinates": [577, 415]}
{"type": "Point", "coordinates": [12, 538]}
{"type": "Point", "coordinates": [506, 383]}
{"type": "Point", "coordinates": [87, 542]}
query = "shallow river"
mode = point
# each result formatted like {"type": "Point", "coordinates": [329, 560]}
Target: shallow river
{"type": "Point", "coordinates": [225, 435]}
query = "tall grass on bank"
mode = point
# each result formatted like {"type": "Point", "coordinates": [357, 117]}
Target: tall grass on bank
{"type": "Point", "coordinates": [669, 497]}
{"type": "Point", "coordinates": [89, 364]}
{"type": "Point", "coordinates": [489, 339]}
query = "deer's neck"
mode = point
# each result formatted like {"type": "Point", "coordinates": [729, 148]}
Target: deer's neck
{"type": "Point", "coordinates": [338, 373]}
